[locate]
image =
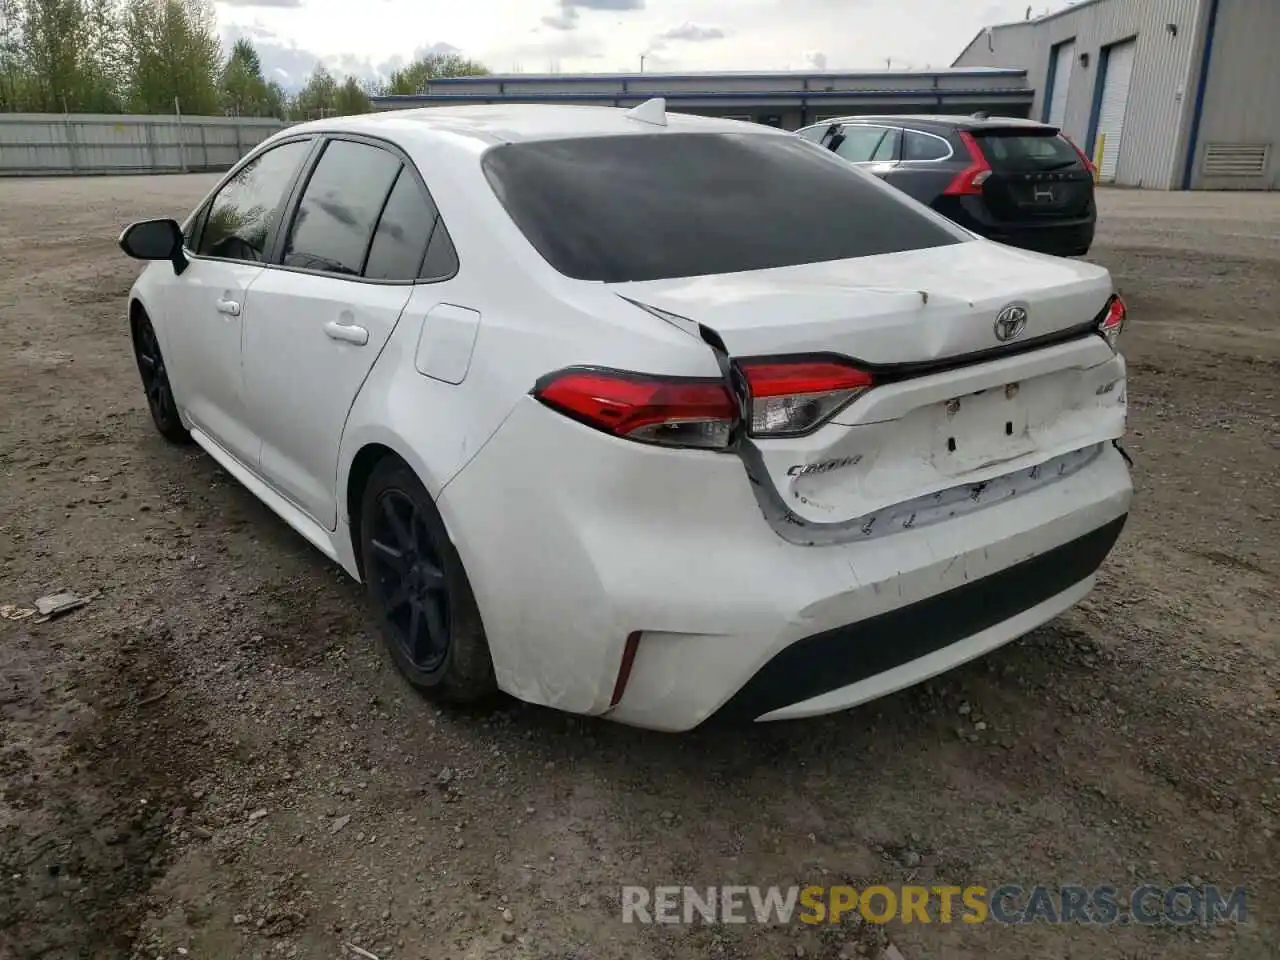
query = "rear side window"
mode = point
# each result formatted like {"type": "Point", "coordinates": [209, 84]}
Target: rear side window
{"type": "Point", "coordinates": [403, 232]}
{"type": "Point", "coordinates": [656, 206]}
{"type": "Point", "coordinates": [442, 259]}
{"type": "Point", "coordinates": [340, 206]}
{"type": "Point", "coordinates": [922, 146]}
{"type": "Point", "coordinates": [1027, 151]}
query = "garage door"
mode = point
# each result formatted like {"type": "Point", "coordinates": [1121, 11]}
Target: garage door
{"type": "Point", "coordinates": [1115, 100]}
{"type": "Point", "coordinates": [1060, 82]}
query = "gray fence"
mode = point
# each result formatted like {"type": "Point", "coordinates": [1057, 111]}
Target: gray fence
{"type": "Point", "coordinates": [76, 144]}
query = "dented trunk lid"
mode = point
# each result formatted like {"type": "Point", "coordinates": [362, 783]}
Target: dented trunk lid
{"type": "Point", "coordinates": [957, 416]}
{"type": "Point", "coordinates": [920, 305]}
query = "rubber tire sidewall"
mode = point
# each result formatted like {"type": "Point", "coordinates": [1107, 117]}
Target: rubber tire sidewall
{"type": "Point", "coordinates": [170, 426]}
{"type": "Point", "coordinates": [466, 675]}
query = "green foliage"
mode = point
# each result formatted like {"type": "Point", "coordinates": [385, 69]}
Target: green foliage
{"type": "Point", "coordinates": [417, 76]}
{"type": "Point", "coordinates": [158, 56]}
{"type": "Point", "coordinates": [317, 98]}
{"type": "Point", "coordinates": [243, 91]}
{"type": "Point", "coordinates": [174, 54]}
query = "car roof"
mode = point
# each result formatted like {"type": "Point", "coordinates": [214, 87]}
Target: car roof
{"type": "Point", "coordinates": [523, 122]}
{"type": "Point", "coordinates": [942, 120]}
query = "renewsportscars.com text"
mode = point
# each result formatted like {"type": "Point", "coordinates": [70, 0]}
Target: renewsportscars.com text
{"type": "Point", "coordinates": [1102, 905]}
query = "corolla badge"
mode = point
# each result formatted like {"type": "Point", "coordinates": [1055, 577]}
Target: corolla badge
{"type": "Point", "coordinates": [1011, 322]}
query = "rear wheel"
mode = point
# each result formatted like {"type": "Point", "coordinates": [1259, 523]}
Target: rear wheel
{"type": "Point", "coordinates": [155, 380]}
{"type": "Point", "coordinates": [419, 589]}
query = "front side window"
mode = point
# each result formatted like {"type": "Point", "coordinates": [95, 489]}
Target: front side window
{"type": "Point", "coordinates": [656, 206]}
{"type": "Point", "coordinates": [244, 213]}
{"type": "Point", "coordinates": [340, 205]}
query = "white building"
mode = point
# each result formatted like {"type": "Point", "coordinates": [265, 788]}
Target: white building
{"type": "Point", "coordinates": [1166, 94]}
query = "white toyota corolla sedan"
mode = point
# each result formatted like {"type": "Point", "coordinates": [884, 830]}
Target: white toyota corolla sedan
{"type": "Point", "coordinates": [648, 416]}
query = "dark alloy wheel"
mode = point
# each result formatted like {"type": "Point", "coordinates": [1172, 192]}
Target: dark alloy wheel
{"type": "Point", "coordinates": [155, 381]}
{"type": "Point", "coordinates": [409, 578]}
{"type": "Point", "coordinates": [419, 589]}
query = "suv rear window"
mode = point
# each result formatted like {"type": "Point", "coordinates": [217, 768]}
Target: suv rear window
{"type": "Point", "coordinates": [656, 206]}
{"type": "Point", "coordinates": [1027, 151]}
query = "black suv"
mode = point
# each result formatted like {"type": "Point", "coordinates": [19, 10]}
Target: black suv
{"type": "Point", "coordinates": [1011, 180]}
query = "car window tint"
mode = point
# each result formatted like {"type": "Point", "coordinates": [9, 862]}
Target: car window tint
{"type": "Point", "coordinates": [860, 143]}
{"type": "Point", "coordinates": [400, 242]}
{"type": "Point", "coordinates": [340, 205]}
{"type": "Point", "coordinates": [812, 133]}
{"type": "Point", "coordinates": [244, 213]}
{"type": "Point", "coordinates": [1028, 151]}
{"type": "Point", "coordinates": [922, 146]}
{"type": "Point", "coordinates": [442, 258]}
{"type": "Point", "coordinates": [654, 206]}
{"type": "Point", "coordinates": [888, 148]}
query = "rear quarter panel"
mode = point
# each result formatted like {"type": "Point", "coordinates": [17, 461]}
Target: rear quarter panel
{"type": "Point", "coordinates": [533, 321]}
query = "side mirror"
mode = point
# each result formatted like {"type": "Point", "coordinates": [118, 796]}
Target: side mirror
{"type": "Point", "coordinates": [155, 240]}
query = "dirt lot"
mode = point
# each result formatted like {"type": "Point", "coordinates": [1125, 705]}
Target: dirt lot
{"type": "Point", "coordinates": [215, 757]}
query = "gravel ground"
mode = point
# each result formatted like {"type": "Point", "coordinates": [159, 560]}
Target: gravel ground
{"type": "Point", "coordinates": [215, 757]}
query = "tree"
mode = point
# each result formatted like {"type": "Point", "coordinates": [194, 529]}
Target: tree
{"type": "Point", "coordinates": [65, 68]}
{"type": "Point", "coordinates": [351, 98]}
{"type": "Point", "coordinates": [276, 101]}
{"type": "Point", "coordinates": [318, 97]}
{"type": "Point", "coordinates": [174, 56]}
{"type": "Point", "coordinates": [13, 68]}
{"type": "Point", "coordinates": [105, 55]}
{"type": "Point", "coordinates": [148, 56]}
{"type": "Point", "coordinates": [243, 90]}
{"type": "Point", "coordinates": [417, 76]}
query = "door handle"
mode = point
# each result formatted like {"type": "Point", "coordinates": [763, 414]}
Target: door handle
{"type": "Point", "coordinates": [230, 307]}
{"type": "Point", "coordinates": [346, 332]}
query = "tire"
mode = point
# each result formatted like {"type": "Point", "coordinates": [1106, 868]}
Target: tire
{"type": "Point", "coordinates": [155, 380]}
{"type": "Point", "coordinates": [419, 590]}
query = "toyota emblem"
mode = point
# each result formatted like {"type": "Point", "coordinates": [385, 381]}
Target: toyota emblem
{"type": "Point", "coordinates": [1010, 322]}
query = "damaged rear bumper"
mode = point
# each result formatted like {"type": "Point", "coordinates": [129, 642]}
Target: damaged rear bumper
{"type": "Point", "coordinates": [609, 540]}
{"type": "Point", "coordinates": [851, 664]}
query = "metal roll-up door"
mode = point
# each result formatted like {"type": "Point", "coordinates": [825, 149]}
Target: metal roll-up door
{"type": "Point", "coordinates": [1063, 60]}
{"type": "Point", "coordinates": [1115, 101]}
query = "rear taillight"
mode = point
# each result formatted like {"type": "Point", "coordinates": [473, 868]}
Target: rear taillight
{"type": "Point", "coordinates": [968, 183]}
{"type": "Point", "coordinates": [1111, 323]}
{"type": "Point", "coordinates": [669, 411]}
{"type": "Point", "coordinates": [1084, 158]}
{"type": "Point", "coordinates": [793, 397]}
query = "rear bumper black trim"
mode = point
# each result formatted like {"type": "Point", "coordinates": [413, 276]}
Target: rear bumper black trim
{"type": "Point", "coordinates": [837, 658]}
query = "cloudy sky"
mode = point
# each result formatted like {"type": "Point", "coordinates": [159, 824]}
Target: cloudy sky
{"type": "Point", "coordinates": [371, 37]}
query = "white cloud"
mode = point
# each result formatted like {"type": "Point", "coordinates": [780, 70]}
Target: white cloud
{"type": "Point", "coordinates": [591, 35]}
{"type": "Point", "coordinates": [692, 32]}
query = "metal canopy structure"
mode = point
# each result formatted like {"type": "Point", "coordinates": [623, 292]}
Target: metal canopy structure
{"type": "Point", "coordinates": [787, 99]}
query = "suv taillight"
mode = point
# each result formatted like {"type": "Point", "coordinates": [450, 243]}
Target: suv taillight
{"type": "Point", "coordinates": [668, 411]}
{"type": "Point", "coordinates": [791, 397]}
{"type": "Point", "coordinates": [1111, 323]}
{"type": "Point", "coordinates": [1088, 164]}
{"type": "Point", "coordinates": [969, 181]}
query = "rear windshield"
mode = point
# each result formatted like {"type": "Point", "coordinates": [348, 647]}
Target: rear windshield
{"type": "Point", "coordinates": [651, 207]}
{"type": "Point", "coordinates": [1027, 151]}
